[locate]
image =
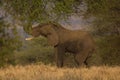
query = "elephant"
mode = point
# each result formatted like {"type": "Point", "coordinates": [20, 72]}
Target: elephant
{"type": "Point", "coordinates": [78, 42]}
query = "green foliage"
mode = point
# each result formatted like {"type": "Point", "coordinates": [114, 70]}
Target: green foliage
{"type": "Point", "coordinates": [109, 50]}
{"type": "Point", "coordinates": [8, 43]}
{"type": "Point", "coordinates": [106, 24]}
{"type": "Point", "coordinates": [30, 11]}
{"type": "Point", "coordinates": [35, 51]}
{"type": "Point", "coordinates": [106, 16]}
{"type": "Point", "coordinates": [40, 10]}
{"type": "Point", "coordinates": [105, 12]}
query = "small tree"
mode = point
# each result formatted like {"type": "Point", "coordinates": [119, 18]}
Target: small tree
{"type": "Point", "coordinates": [106, 16]}
{"type": "Point", "coordinates": [8, 42]}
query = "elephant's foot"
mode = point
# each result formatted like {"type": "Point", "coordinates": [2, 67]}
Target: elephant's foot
{"type": "Point", "coordinates": [59, 64]}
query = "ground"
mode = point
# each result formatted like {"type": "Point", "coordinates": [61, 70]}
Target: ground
{"type": "Point", "coordinates": [43, 72]}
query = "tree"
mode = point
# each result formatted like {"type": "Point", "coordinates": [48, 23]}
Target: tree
{"type": "Point", "coordinates": [106, 16]}
{"type": "Point", "coordinates": [8, 42]}
{"type": "Point", "coordinates": [30, 11]}
{"type": "Point", "coordinates": [107, 25]}
{"type": "Point", "coordinates": [104, 12]}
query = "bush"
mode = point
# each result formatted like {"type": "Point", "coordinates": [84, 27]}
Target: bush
{"type": "Point", "coordinates": [36, 50]}
{"type": "Point", "coordinates": [109, 50]}
{"type": "Point", "coordinates": [9, 41]}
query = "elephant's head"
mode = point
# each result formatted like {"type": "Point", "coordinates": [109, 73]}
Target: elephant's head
{"type": "Point", "coordinates": [48, 31]}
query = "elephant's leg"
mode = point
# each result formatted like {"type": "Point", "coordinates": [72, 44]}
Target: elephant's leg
{"type": "Point", "coordinates": [81, 57]}
{"type": "Point", "coordinates": [76, 60]}
{"type": "Point", "coordinates": [85, 62]}
{"type": "Point", "coordinates": [87, 59]}
{"type": "Point", "coordinates": [59, 56]}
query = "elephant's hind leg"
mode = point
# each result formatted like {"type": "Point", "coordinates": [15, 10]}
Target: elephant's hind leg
{"type": "Point", "coordinates": [86, 61]}
{"type": "Point", "coordinates": [80, 58]}
{"type": "Point", "coordinates": [76, 60]}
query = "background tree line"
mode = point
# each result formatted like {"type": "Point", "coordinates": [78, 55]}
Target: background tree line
{"type": "Point", "coordinates": [105, 23]}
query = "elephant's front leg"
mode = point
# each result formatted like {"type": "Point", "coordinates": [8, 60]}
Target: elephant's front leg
{"type": "Point", "coordinates": [59, 56]}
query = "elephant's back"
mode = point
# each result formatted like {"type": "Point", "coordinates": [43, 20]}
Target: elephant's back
{"type": "Point", "coordinates": [73, 35]}
{"type": "Point", "coordinates": [76, 34]}
{"type": "Point", "coordinates": [79, 35]}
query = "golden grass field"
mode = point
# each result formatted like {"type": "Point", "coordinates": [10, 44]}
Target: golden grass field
{"type": "Point", "coordinates": [43, 72]}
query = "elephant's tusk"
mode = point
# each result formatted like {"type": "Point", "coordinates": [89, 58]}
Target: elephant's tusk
{"type": "Point", "coordinates": [30, 38]}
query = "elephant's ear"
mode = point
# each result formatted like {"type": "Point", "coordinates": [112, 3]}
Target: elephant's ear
{"type": "Point", "coordinates": [53, 38]}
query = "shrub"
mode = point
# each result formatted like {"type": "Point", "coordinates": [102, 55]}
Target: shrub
{"type": "Point", "coordinates": [109, 50]}
{"type": "Point", "coordinates": [36, 50]}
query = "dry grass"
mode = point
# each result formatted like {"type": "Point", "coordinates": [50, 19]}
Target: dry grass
{"type": "Point", "coordinates": [42, 72]}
